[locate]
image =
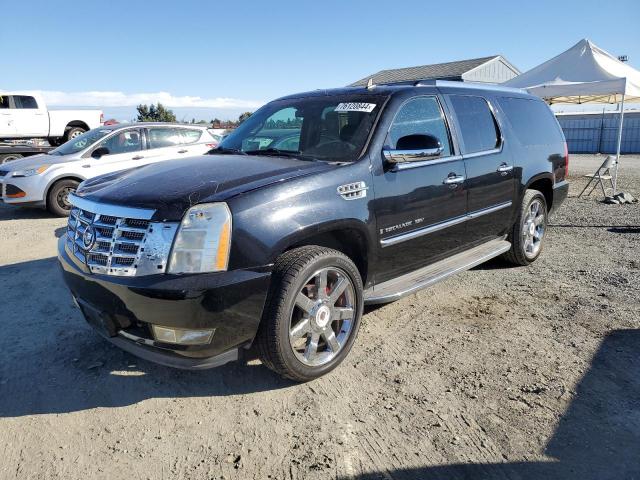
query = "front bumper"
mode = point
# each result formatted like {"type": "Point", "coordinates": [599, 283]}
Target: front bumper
{"type": "Point", "coordinates": [122, 309]}
{"type": "Point", "coordinates": [31, 188]}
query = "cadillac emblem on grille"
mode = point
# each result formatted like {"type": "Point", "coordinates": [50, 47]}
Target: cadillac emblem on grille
{"type": "Point", "coordinates": [88, 237]}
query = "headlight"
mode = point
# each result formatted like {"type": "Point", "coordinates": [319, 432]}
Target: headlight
{"type": "Point", "coordinates": [203, 240]}
{"type": "Point", "coordinates": [30, 171]}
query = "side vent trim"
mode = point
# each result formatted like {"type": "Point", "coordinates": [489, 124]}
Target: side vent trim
{"type": "Point", "coordinates": [353, 191]}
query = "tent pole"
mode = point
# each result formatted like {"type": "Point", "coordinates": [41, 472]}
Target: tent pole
{"type": "Point", "coordinates": [615, 175]}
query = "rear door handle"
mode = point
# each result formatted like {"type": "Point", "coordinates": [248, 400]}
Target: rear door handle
{"type": "Point", "coordinates": [137, 157]}
{"type": "Point", "coordinates": [182, 151]}
{"type": "Point", "coordinates": [453, 179]}
{"type": "Point", "coordinates": [504, 168]}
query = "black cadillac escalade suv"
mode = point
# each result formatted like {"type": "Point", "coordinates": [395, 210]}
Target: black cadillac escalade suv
{"type": "Point", "coordinates": [316, 205]}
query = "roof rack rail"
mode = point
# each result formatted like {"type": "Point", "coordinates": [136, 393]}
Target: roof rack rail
{"type": "Point", "coordinates": [458, 84]}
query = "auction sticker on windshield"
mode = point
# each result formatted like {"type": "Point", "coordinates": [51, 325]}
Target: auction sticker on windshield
{"type": "Point", "coordinates": [355, 107]}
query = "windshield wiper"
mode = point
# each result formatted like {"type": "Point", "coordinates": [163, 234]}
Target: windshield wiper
{"type": "Point", "coordinates": [225, 151]}
{"type": "Point", "coordinates": [277, 152]}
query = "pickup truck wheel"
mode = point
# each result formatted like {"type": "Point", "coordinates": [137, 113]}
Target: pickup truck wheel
{"type": "Point", "coordinates": [58, 197]}
{"type": "Point", "coordinates": [73, 132]}
{"type": "Point", "coordinates": [527, 234]}
{"type": "Point", "coordinates": [9, 157]}
{"type": "Point", "coordinates": [312, 313]}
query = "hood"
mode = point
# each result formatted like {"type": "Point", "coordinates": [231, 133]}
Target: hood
{"type": "Point", "coordinates": [36, 161]}
{"type": "Point", "coordinates": [173, 186]}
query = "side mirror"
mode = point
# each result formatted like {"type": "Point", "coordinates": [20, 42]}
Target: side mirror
{"type": "Point", "coordinates": [99, 152]}
{"type": "Point", "coordinates": [414, 148]}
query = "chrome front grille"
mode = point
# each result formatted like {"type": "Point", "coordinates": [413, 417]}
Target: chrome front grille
{"type": "Point", "coordinates": [113, 240]}
{"type": "Point", "coordinates": [107, 244]}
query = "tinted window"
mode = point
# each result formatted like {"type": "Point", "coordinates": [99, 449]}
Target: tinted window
{"type": "Point", "coordinates": [164, 137]}
{"type": "Point", "coordinates": [4, 101]}
{"type": "Point", "coordinates": [281, 124]}
{"type": "Point", "coordinates": [531, 121]}
{"type": "Point", "coordinates": [81, 142]}
{"type": "Point", "coordinates": [478, 127]}
{"type": "Point", "coordinates": [331, 128]}
{"type": "Point", "coordinates": [123, 142]}
{"type": "Point", "coordinates": [191, 136]}
{"type": "Point", "coordinates": [23, 101]}
{"type": "Point", "coordinates": [421, 116]}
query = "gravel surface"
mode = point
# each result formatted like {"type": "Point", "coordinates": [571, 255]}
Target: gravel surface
{"type": "Point", "coordinates": [498, 372]}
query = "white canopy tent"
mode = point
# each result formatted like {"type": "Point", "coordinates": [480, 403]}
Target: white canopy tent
{"type": "Point", "coordinates": [583, 74]}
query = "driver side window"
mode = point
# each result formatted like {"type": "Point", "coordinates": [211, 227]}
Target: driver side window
{"type": "Point", "coordinates": [420, 116]}
{"type": "Point", "coordinates": [123, 142]}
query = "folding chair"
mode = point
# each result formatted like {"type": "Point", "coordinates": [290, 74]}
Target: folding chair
{"type": "Point", "coordinates": [602, 173]}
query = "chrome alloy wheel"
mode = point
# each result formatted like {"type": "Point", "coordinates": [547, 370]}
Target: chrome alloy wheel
{"type": "Point", "coordinates": [533, 228]}
{"type": "Point", "coordinates": [323, 316]}
{"type": "Point", "coordinates": [75, 133]}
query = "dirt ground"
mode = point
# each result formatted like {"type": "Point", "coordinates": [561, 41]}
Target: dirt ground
{"type": "Point", "coordinates": [498, 372]}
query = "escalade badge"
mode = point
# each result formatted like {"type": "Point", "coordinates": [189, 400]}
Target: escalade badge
{"type": "Point", "coordinates": [89, 237]}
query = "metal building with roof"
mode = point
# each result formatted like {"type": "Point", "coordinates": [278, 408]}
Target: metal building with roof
{"type": "Point", "coordinates": [493, 69]}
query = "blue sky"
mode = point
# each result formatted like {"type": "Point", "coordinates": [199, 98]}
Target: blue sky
{"type": "Point", "coordinates": [235, 55]}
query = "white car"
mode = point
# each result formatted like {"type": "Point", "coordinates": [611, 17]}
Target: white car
{"type": "Point", "coordinates": [25, 115]}
{"type": "Point", "coordinates": [47, 179]}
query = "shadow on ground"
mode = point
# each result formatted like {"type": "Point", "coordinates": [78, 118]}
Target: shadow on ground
{"type": "Point", "coordinates": [51, 361]}
{"type": "Point", "coordinates": [11, 212]}
{"type": "Point", "coordinates": [597, 438]}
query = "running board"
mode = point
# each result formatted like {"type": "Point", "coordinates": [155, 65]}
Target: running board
{"type": "Point", "coordinates": [396, 288]}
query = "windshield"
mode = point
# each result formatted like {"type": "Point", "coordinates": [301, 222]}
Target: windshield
{"type": "Point", "coordinates": [330, 128]}
{"type": "Point", "coordinates": [81, 142]}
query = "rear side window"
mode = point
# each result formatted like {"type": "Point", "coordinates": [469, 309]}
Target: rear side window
{"type": "Point", "coordinates": [164, 137]}
{"type": "Point", "coordinates": [4, 102]}
{"type": "Point", "coordinates": [24, 101]}
{"type": "Point", "coordinates": [531, 121]}
{"type": "Point", "coordinates": [191, 135]}
{"type": "Point", "coordinates": [420, 116]}
{"type": "Point", "coordinates": [478, 127]}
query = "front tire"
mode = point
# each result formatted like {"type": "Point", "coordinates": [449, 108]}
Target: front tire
{"type": "Point", "coordinates": [57, 198]}
{"type": "Point", "coordinates": [528, 231]}
{"type": "Point", "coordinates": [312, 314]}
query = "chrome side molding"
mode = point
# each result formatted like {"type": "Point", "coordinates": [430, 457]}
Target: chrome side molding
{"type": "Point", "coordinates": [403, 237]}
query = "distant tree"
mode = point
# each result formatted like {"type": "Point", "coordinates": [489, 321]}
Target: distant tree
{"type": "Point", "coordinates": [243, 117]}
{"type": "Point", "coordinates": [155, 113]}
{"type": "Point", "coordinates": [216, 123]}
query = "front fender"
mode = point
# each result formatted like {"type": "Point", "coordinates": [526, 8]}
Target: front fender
{"type": "Point", "coordinates": [268, 221]}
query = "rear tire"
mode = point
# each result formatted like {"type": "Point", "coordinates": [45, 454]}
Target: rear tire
{"type": "Point", "coordinates": [9, 157]}
{"type": "Point", "coordinates": [73, 132]}
{"type": "Point", "coordinates": [312, 313]}
{"type": "Point", "coordinates": [57, 198]}
{"type": "Point", "coordinates": [528, 231]}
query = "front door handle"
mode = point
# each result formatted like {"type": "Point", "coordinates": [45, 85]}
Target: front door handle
{"type": "Point", "coordinates": [137, 157]}
{"type": "Point", "coordinates": [182, 151]}
{"type": "Point", "coordinates": [504, 168]}
{"type": "Point", "coordinates": [453, 179]}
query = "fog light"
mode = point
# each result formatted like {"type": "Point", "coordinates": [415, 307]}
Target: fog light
{"type": "Point", "coordinates": [182, 336]}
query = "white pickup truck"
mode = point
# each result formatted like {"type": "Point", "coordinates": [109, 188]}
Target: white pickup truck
{"type": "Point", "coordinates": [25, 115]}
